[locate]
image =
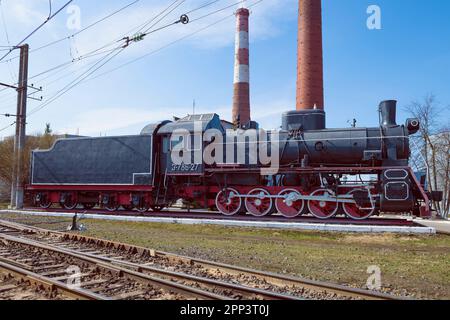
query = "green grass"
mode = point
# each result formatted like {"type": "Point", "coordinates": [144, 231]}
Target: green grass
{"type": "Point", "coordinates": [418, 265]}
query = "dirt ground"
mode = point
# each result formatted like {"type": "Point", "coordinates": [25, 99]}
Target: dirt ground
{"type": "Point", "coordinates": [417, 266]}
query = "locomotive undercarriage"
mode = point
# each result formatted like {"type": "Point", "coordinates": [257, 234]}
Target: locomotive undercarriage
{"type": "Point", "coordinates": [322, 192]}
{"type": "Point", "coordinates": [323, 201]}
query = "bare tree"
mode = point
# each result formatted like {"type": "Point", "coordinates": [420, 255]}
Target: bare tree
{"type": "Point", "coordinates": [6, 159]}
{"type": "Point", "coordinates": [431, 147]}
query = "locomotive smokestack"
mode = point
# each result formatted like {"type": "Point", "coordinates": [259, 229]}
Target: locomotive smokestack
{"type": "Point", "coordinates": [241, 98]}
{"type": "Point", "coordinates": [310, 57]}
{"type": "Point", "coordinates": [388, 111]}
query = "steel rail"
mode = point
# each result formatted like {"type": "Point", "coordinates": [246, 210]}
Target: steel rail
{"type": "Point", "coordinates": [158, 282]}
{"type": "Point", "coordinates": [48, 283]}
{"type": "Point", "coordinates": [278, 279]}
{"type": "Point", "coordinates": [272, 278]}
{"type": "Point", "coordinates": [246, 290]}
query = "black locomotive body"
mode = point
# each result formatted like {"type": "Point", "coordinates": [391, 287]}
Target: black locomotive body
{"type": "Point", "coordinates": [354, 171]}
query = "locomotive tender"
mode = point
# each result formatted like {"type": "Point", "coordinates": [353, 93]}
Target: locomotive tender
{"type": "Point", "coordinates": [314, 173]}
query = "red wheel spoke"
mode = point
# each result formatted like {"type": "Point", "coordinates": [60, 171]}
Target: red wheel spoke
{"type": "Point", "coordinates": [258, 202]}
{"type": "Point", "coordinates": [354, 211]}
{"type": "Point", "coordinates": [287, 205]}
{"type": "Point", "coordinates": [228, 202]}
{"type": "Point", "coordinates": [323, 209]}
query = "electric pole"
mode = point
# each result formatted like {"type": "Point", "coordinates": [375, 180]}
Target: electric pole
{"type": "Point", "coordinates": [17, 188]}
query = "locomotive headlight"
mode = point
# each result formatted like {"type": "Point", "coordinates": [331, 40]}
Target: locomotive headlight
{"type": "Point", "coordinates": [413, 125]}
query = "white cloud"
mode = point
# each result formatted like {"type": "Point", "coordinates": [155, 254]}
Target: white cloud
{"type": "Point", "coordinates": [26, 13]}
{"type": "Point", "coordinates": [107, 120]}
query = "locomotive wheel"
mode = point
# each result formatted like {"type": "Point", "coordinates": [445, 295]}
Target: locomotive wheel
{"type": "Point", "coordinates": [127, 207]}
{"type": "Point", "coordinates": [70, 202]}
{"type": "Point", "coordinates": [143, 207]}
{"type": "Point", "coordinates": [112, 207]}
{"type": "Point", "coordinates": [89, 206]}
{"type": "Point", "coordinates": [259, 203]}
{"type": "Point", "coordinates": [286, 206]}
{"type": "Point", "coordinates": [45, 204]}
{"type": "Point", "coordinates": [157, 208]}
{"type": "Point", "coordinates": [69, 205]}
{"type": "Point", "coordinates": [227, 202]}
{"type": "Point", "coordinates": [353, 211]}
{"type": "Point", "coordinates": [40, 200]}
{"type": "Point", "coordinates": [323, 209]}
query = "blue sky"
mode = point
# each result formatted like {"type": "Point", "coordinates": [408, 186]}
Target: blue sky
{"type": "Point", "coordinates": [408, 58]}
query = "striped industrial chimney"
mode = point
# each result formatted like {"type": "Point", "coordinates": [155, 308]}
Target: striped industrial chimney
{"type": "Point", "coordinates": [241, 98]}
{"type": "Point", "coordinates": [310, 60]}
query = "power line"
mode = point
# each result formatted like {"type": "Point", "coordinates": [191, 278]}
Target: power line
{"type": "Point", "coordinates": [37, 29]}
{"type": "Point", "coordinates": [96, 67]}
{"type": "Point", "coordinates": [178, 40]}
{"type": "Point", "coordinates": [77, 81]}
{"type": "Point", "coordinates": [203, 6]}
{"type": "Point", "coordinates": [92, 25]}
{"type": "Point", "coordinates": [96, 51]}
{"type": "Point", "coordinates": [164, 16]}
{"type": "Point", "coordinates": [220, 10]}
{"type": "Point", "coordinates": [7, 40]}
{"type": "Point", "coordinates": [162, 48]}
{"type": "Point", "coordinates": [4, 25]}
{"type": "Point", "coordinates": [93, 69]}
{"type": "Point", "coordinates": [153, 52]}
{"type": "Point", "coordinates": [50, 7]}
{"type": "Point", "coordinates": [7, 127]}
{"type": "Point", "coordinates": [86, 28]}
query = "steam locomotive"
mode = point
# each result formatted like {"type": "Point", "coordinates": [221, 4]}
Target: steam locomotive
{"type": "Point", "coordinates": [357, 172]}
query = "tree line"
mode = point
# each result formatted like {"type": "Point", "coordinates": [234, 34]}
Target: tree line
{"type": "Point", "coordinates": [38, 141]}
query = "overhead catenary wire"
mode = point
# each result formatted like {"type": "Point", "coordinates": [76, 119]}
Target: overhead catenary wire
{"type": "Point", "coordinates": [59, 94]}
{"type": "Point", "coordinates": [9, 47]}
{"type": "Point", "coordinates": [162, 48]}
{"type": "Point", "coordinates": [13, 77]}
{"type": "Point", "coordinates": [80, 31]}
{"type": "Point", "coordinates": [96, 51]}
{"type": "Point", "coordinates": [87, 27]}
{"type": "Point", "coordinates": [37, 29]}
{"type": "Point", "coordinates": [78, 80]}
{"type": "Point", "coordinates": [7, 127]}
{"type": "Point", "coordinates": [87, 74]}
{"type": "Point", "coordinates": [94, 24]}
{"type": "Point", "coordinates": [219, 10]}
{"type": "Point", "coordinates": [94, 68]}
{"type": "Point", "coordinates": [203, 6]}
{"type": "Point", "coordinates": [146, 32]}
{"type": "Point", "coordinates": [50, 8]}
{"type": "Point", "coordinates": [87, 55]}
{"type": "Point", "coordinates": [176, 41]}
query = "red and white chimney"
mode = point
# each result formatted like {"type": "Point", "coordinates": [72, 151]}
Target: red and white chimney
{"type": "Point", "coordinates": [241, 98]}
{"type": "Point", "coordinates": [310, 57]}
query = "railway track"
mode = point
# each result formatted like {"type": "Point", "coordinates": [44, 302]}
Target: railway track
{"type": "Point", "coordinates": [19, 283]}
{"type": "Point", "coordinates": [223, 281]}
